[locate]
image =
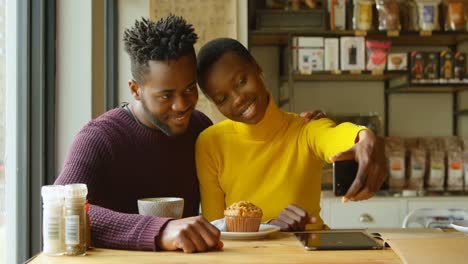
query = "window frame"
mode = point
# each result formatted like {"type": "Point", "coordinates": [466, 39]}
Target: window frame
{"type": "Point", "coordinates": [30, 154]}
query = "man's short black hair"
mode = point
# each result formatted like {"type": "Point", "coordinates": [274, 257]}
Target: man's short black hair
{"type": "Point", "coordinates": [212, 51]}
{"type": "Point", "coordinates": [169, 38]}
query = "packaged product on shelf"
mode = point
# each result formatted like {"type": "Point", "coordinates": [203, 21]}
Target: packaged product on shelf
{"type": "Point", "coordinates": [304, 65]}
{"type": "Point", "coordinates": [431, 67]}
{"type": "Point", "coordinates": [396, 166]}
{"type": "Point", "coordinates": [464, 143]}
{"type": "Point", "coordinates": [301, 58]}
{"type": "Point", "coordinates": [294, 52]}
{"type": "Point", "coordinates": [352, 53]}
{"type": "Point", "coordinates": [332, 54]}
{"type": "Point", "coordinates": [397, 62]}
{"type": "Point", "coordinates": [428, 14]}
{"type": "Point", "coordinates": [275, 4]}
{"type": "Point", "coordinates": [459, 65]}
{"type": "Point", "coordinates": [453, 143]}
{"type": "Point", "coordinates": [417, 66]}
{"type": "Point", "coordinates": [417, 169]}
{"type": "Point", "coordinates": [376, 54]}
{"type": "Point", "coordinates": [396, 156]}
{"type": "Point", "coordinates": [465, 169]}
{"type": "Point", "coordinates": [436, 177]}
{"type": "Point", "coordinates": [362, 18]}
{"type": "Point", "coordinates": [389, 14]}
{"type": "Point", "coordinates": [412, 143]}
{"type": "Point", "coordinates": [446, 66]}
{"type": "Point", "coordinates": [455, 170]}
{"type": "Point", "coordinates": [312, 3]}
{"type": "Point", "coordinates": [294, 4]}
{"type": "Point", "coordinates": [394, 143]}
{"type": "Point", "coordinates": [349, 15]}
{"type": "Point", "coordinates": [317, 59]}
{"type": "Point", "coordinates": [431, 143]}
{"type": "Point", "coordinates": [310, 60]}
{"type": "Point", "coordinates": [455, 16]}
{"type": "Point", "coordinates": [337, 14]}
{"type": "Point", "coordinates": [301, 4]}
{"type": "Point", "coordinates": [409, 15]}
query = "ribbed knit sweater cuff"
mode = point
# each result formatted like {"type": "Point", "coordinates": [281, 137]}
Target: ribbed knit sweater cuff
{"type": "Point", "coordinates": [150, 233]}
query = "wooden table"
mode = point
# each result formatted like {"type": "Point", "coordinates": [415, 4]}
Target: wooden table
{"type": "Point", "coordinates": [277, 248]}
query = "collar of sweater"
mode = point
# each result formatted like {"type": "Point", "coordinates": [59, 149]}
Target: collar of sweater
{"type": "Point", "coordinates": [272, 121]}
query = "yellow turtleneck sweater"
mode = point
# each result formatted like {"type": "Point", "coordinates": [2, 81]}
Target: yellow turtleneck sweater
{"type": "Point", "coordinates": [272, 164]}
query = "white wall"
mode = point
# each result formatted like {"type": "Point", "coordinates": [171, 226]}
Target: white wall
{"type": "Point", "coordinates": [420, 115]}
{"type": "Point", "coordinates": [74, 71]}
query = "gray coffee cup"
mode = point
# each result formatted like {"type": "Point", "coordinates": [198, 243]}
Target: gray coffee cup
{"type": "Point", "coordinates": [172, 207]}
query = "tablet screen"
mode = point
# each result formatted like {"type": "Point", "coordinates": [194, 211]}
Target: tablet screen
{"type": "Point", "coordinates": [336, 241]}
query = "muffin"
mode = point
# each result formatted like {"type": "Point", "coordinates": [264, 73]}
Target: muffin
{"type": "Point", "coordinates": [243, 216]}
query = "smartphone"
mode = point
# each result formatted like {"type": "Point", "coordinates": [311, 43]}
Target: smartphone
{"type": "Point", "coordinates": [344, 173]}
{"type": "Point", "coordinates": [329, 240]}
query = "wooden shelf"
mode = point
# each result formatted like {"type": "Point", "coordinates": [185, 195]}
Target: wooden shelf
{"type": "Point", "coordinates": [429, 89]}
{"type": "Point", "coordinates": [463, 112]}
{"type": "Point", "coordinates": [403, 86]}
{"type": "Point", "coordinates": [280, 37]}
{"type": "Point", "coordinates": [283, 102]}
{"type": "Point", "coordinates": [344, 77]}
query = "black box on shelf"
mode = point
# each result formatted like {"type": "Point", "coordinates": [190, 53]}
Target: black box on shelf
{"type": "Point", "coordinates": [446, 66]}
{"type": "Point", "coordinates": [431, 67]}
{"type": "Point", "coordinates": [417, 66]}
{"type": "Point", "coordinates": [459, 65]}
{"type": "Point", "coordinates": [313, 19]}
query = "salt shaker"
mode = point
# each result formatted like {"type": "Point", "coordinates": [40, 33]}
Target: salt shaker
{"type": "Point", "coordinates": [52, 222]}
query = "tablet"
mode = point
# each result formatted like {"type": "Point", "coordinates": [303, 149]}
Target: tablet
{"type": "Point", "coordinates": [337, 241]}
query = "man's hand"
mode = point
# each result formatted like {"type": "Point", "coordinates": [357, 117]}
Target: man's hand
{"type": "Point", "coordinates": [309, 116]}
{"type": "Point", "coordinates": [293, 218]}
{"type": "Point", "coordinates": [369, 152]}
{"type": "Point", "coordinates": [193, 234]}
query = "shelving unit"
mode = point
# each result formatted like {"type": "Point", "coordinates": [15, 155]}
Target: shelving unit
{"type": "Point", "coordinates": [280, 37]}
{"type": "Point", "coordinates": [394, 82]}
{"type": "Point", "coordinates": [344, 77]}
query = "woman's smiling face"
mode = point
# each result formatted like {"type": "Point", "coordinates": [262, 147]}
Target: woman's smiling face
{"type": "Point", "coordinates": [235, 85]}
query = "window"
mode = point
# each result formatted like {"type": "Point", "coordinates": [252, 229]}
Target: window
{"type": "Point", "coordinates": [8, 120]}
{"type": "Point", "coordinates": [2, 132]}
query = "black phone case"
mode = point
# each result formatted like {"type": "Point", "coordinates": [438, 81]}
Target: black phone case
{"type": "Point", "coordinates": [344, 173]}
{"type": "Point", "coordinates": [329, 240]}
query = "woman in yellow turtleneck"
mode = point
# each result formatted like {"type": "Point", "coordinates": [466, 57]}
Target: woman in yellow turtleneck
{"type": "Point", "coordinates": [267, 156]}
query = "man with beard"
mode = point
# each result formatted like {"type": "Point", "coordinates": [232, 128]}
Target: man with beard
{"type": "Point", "coordinates": [146, 148]}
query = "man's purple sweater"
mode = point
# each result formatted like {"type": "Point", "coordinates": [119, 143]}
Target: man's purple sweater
{"type": "Point", "coordinates": [121, 161]}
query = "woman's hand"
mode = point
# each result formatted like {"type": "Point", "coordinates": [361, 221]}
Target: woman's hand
{"type": "Point", "coordinates": [314, 115]}
{"type": "Point", "coordinates": [293, 218]}
{"type": "Point", "coordinates": [369, 152]}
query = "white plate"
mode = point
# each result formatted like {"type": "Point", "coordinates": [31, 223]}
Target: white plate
{"type": "Point", "coordinates": [461, 226]}
{"type": "Point", "coordinates": [263, 231]}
